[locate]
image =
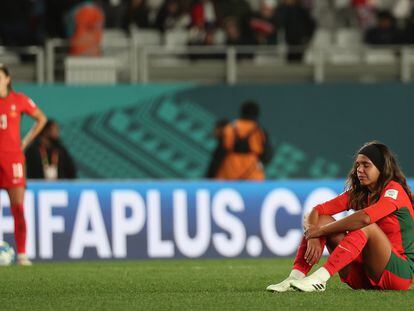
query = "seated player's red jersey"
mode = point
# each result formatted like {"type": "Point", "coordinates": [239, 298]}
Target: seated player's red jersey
{"type": "Point", "coordinates": [11, 109]}
{"type": "Point", "coordinates": [393, 213]}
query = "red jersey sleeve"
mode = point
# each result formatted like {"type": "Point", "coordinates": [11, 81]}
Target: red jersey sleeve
{"type": "Point", "coordinates": [334, 206]}
{"type": "Point", "coordinates": [392, 198]}
{"type": "Point", "coordinates": [27, 104]}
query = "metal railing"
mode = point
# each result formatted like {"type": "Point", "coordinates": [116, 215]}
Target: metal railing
{"type": "Point", "coordinates": [231, 65]}
{"type": "Point", "coordinates": [20, 59]}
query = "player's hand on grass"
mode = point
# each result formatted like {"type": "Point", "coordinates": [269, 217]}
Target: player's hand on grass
{"type": "Point", "coordinates": [313, 251]}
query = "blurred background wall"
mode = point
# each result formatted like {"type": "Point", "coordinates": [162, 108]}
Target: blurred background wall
{"type": "Point", "coordinates": [166, 131]}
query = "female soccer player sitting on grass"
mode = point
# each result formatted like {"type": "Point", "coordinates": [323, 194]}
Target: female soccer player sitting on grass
{"type": "Point", "coordinates": [371, 249]}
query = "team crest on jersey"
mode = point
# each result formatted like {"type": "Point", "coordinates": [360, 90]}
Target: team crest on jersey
{"type": "Point", "coordinates": [13, 110]}
{"type": "Point", "coordinates": [391, 193]}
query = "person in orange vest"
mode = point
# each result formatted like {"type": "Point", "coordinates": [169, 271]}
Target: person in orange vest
{"type": "Point", "coordinates": [247, 146]}
{"type": "Point", "coordinates": [85, 23]}
{"type": "Point", "coordinates": [219, 152]}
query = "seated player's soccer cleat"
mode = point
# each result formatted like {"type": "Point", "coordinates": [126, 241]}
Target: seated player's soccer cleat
{"type": "Point", "coordinates": [281, 287]}
{"type": "Point", "coordinates": [309, 284]}
{"type": "Point", "coordinates": [23, 260]}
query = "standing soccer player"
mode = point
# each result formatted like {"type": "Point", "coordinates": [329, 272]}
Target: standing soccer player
{"type": "Point", "coordinates": [12, 160]}
{"type": "Point", "coordinates": [370, 249]}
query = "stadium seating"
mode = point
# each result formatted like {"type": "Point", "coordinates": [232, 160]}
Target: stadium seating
{"type": "Point", "coordinates": [8, 57]}
{"type": "Point", "coordinates": [380, 56]}
{"type": "Point", "coordinates": [145, 37]}
{"type": "Point", "coordinates": [176, 38]}
{"type": "Point", "coordinates": [90, 70]}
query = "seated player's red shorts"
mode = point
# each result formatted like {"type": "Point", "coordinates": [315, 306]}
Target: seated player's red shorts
{"type": "Point", "coordinates": [397, 275]}
{"type": "Point", "coordinates": [12, 170]}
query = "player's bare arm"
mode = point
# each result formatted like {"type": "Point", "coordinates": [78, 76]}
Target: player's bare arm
{"type": "Point", "coordinates": [352, 222]}
{"type": "Point", "coordinates": [40, 121]}
{"type": "Point", "coordinates": [311, 219]}
{"type": "Point", "coordinates": [314, 249]}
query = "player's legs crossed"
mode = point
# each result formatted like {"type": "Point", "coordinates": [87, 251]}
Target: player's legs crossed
{"type": "Point", "coordinates": [353, 274]}
{"type": "Point", "coordinates": [300, 266]}
{"type": "Point", "coordinates": [385, 268]}
{"type": "Point", "coordinates": [331, 243]}
{"type": "Point", "coordinates": [376, 252]}
{"type": "Point", "coordinates": [370, 240]}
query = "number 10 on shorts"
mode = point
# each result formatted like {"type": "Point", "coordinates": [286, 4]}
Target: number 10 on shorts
{"type": "Point", "coordinates": [17, 170]}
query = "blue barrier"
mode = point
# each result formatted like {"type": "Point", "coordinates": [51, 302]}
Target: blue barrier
{"type": "Point", "coordinates": [174, 219]}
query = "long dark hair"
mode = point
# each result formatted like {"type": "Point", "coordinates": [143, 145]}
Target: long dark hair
{"type": "Point", "coordinates": [6, 71]}
{"type": "Point", "coordinates": [358, 194]}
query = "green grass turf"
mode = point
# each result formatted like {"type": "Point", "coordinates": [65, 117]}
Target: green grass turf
{"type": "Point", "coordinates": [177, 285]}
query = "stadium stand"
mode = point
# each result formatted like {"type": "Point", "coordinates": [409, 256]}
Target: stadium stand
{"type": "Point", "coordinates": [339, 40]}
{"type": "Point", "coordinates": [145, 37]}
{"type": "Point", "coordinates": [90, 70]}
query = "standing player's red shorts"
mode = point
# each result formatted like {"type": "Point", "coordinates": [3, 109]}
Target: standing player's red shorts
{"type": "Point", "coordinates": [12, 173]}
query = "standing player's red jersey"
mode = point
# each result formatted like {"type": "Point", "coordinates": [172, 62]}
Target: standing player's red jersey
{"type": "Point", "coordinates": [11, 109]}
{"type": "Point", "coordinates": [11, 156]}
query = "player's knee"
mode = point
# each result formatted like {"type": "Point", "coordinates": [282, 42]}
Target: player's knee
{"type": "Point", "coordinates": [370, 229]}
{"type": "Point", "coordinates": [334, 239]}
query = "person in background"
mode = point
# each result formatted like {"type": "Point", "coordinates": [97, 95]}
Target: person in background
{"type": "Point", "coordinates": [365, 13]}
{"type": "Point", "coordinates": [236, 37]}
{"type": "Point", "coordinates": [234, 34]}
{"type": "Point", "coordinates": [205, 21]}
{"type": "Point", "coordinates": [115, 11]}
{"type": "Point", "coordinates": [137, 14]}
{"type": "Point", "coordinates": [239, 9]}
{"type": "Point", "coordinates": [298, 26]}
{"type": "Point", "coordinates": [204, 14]}
{"type": "Point", "coordinates": [171, 16]}
{"type": "Point", "coordinates": [263, 24]}
{"type": "Point", "coordinates": [219, 152]}
{"type": "Point", "coordinates": [247, 146]}
{"type": "Point", "coordinates": [385, 32]}
{"type": "Point", "coordinates": [47, 158]}
{"type": "Point", "coordinates": [12, 162]}
{"type": "Point", "coordinates": [84, 26]}
{"type": "Point", "coordinates": [409, 29]}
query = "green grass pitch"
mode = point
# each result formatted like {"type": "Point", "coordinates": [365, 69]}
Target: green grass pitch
{"type": "Point", "coordinates": [177, 285]}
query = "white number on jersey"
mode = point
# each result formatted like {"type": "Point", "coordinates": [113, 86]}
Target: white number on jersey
{"type": "Point", "coordinates": [3, 121]}
{"type": "Point", "coordinates": [17, 170]}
